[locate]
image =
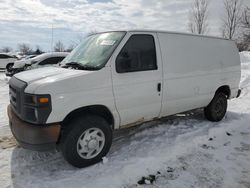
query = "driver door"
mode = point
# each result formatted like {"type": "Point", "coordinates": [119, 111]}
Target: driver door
{"type": "Point", "coordinates": [137, 78]}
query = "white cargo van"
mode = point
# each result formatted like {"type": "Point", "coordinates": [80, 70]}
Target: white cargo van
{"type": "Point", "coordinates": [118, 79]}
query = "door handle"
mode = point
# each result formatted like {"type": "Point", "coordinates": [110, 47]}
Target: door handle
{"type": "Point", "coordinates": [159, 87]}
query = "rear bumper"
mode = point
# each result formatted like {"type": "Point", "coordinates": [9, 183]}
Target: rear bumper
{"type": "Point", "coordinates": [34, 137]}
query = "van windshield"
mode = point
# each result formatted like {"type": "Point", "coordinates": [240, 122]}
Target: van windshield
{"type": "Point", "coordinates": [94, 52]}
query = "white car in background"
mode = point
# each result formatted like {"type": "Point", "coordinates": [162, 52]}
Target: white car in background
{"type": "Point", "coordinates": [30, 56]}
{"type": "Point", "coordinates": [45, 59]}
{"type": "Point", "coordinates": [5, 59]}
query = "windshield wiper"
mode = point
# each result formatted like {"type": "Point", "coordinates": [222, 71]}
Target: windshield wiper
{"type": "Point", "coordinates": [79, 66]}
{"type": "Point", "coordinates": [72, 64]}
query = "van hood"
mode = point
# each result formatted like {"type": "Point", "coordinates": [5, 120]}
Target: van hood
{"type": "Point", "coordinates": [47, 74]}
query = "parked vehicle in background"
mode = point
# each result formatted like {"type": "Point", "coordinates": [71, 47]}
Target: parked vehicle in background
{"type": "Point", "coordinates": [119, 79]}
{"type": "Point", "coordinates": [30, 56]}
{"type": "Point", "coordinates": [43, 60]}
{"type": "Point", "coordinates": [5, 59]}
{"type": "Point", "coordinates": [10, 65]}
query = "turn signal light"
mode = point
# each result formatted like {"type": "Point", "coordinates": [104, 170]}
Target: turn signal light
{"type": "Point", "coordinates": [43, 100]}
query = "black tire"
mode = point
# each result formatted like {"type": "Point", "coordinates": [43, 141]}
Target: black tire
{"type": "Point", "coordinates": [217, 108]}
{"type": "Point", "coordinates": [73, 132]}
{"type": "Point", "coordinates": [26, 67]}
{"type": "Point", "coordinates": [9, 66]}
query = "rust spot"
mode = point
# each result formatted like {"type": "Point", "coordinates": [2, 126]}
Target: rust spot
{"type": "Point", "coordinates": [139, 121]}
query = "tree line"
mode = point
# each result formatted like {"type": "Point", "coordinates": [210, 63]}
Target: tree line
{"type": "Point", "coordinates": [26, 49]}
{"type": "Point", "coordinates": [235, 21]}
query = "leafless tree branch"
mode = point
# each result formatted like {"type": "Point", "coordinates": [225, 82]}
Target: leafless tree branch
{"type": "Point", "coordinates": [246, 18]}
{"type": "Point", "coordinates": [231, 20]}
{"type": "Point", "coordinates": [243, 42]}
{"type": "Point", "coordinates": [6, 49]}
{"type": "Point", "coordinates": [24, 48]}
{"type": "Point", "coordinates": [59, 47]}
{"type": "Point", "coordinates": [198, 21]}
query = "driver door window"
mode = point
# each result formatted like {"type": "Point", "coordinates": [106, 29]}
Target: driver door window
{"type": "Point", "coordinates": [138, 54]}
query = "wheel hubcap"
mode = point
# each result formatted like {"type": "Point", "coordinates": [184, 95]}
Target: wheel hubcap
{"type": "Point", "coordinates": [90, 143]}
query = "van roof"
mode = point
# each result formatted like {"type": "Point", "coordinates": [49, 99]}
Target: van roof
{"type": "Point", "coordinates": [171, 32]}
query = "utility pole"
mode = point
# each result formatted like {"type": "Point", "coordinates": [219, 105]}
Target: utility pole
{"type": "Point", "coordinates": [52, 37]}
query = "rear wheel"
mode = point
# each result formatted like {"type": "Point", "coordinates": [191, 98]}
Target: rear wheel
{"type": "Point", "coordinates": [86, 140]}
{"type": "Point", "coordinates": [217, 108]}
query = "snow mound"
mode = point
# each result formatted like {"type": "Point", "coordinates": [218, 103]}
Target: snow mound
{"type": "Point", "coordinates": [245, 57]}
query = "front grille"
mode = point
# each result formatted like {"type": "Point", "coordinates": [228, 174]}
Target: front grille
{"type": "Point", "coordinates": [22, 105]}
{"type": "Point", "coordinates": [16, 93]}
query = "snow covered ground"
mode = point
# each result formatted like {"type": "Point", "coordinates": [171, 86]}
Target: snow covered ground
{"type": "Point", "coordinates": [180, 151]}
{"type": "Point", "coordinates": [4, 91]}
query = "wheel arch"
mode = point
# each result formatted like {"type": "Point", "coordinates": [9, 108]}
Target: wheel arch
{"type": "Point", "coordinates": [99, 110]}
{"type": "Point", "coordinates": [224, 89]}
{"type": "Point", "coordinates": [9, 64]}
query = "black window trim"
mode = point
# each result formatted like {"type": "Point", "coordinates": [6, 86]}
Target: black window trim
{"type": "Point", "coordinates": [156, 68]}
{"type": "Point", "coordinates": [6, 56]}
{"type": "Point", "coordinates": [46, 59]}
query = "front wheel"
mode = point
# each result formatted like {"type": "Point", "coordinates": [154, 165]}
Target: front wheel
{"type": "Point", "coordinates": [217, 108]}
{"type": "Point", "coordinates": [86, 140]}
{"type": "Point", "coordinates": [9, 66]}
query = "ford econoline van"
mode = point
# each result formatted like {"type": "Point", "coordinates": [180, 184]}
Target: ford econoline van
{"type": "Point", "coordinates": [119, 79]}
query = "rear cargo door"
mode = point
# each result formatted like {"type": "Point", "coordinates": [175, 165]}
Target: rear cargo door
{"type": "Point", "coordinates": [137, 78]}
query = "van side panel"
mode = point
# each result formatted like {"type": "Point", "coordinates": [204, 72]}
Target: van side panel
{"type": "Point", "coordinates": [231, 66]}
{"type": "Point", "coordinates": [194, 68]}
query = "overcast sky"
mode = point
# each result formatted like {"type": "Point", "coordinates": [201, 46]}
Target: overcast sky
{"type": "Point", "coordinates": [30, 21]}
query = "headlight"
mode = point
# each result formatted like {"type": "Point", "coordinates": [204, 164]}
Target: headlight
{"type": "Point", "coordinates": [37, 99]}
{"type": "Point", "coordinates": [37, 108]}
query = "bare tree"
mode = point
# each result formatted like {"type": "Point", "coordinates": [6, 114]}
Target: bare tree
{"type": "Point", "coordinates": [198, 20]}
{"type": "Point", "coordinates": [232, 18]}
{"type": "Point", "coordinates": [59, 47]}
{"type": "Point", "coordinates": [38, 50]}
{"type": "Point", "coordinates": [244, 40]}
{"type": "Point", "coordinates": [6, 49]}
{"type": "Point", "coordinates": [24, 48]}
{"type": "Point", "coordinates": [70, 48]}
{"type": "Point", "coordinates": [246, 18]}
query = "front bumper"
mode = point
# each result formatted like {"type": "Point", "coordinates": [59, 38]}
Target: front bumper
{"type": "Point", "coordinates": [7, 73]}
{"type": "Point", "coordinates": [34, 137]}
